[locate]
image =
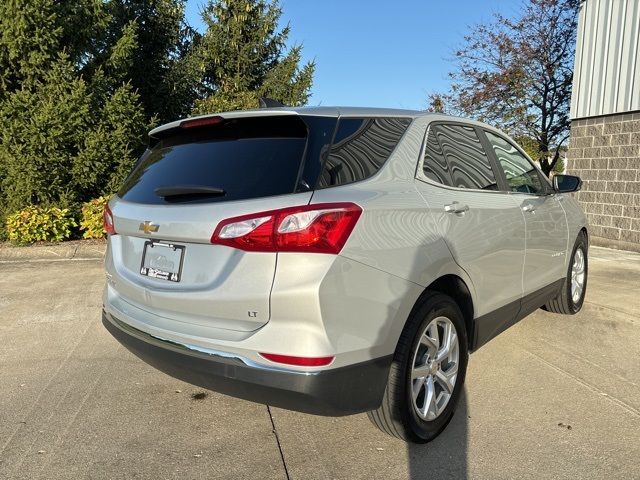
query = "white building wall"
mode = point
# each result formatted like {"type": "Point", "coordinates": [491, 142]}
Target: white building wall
{"type": "Point", "coordinates": [607, 67]}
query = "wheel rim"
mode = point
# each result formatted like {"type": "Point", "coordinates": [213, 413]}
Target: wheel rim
{"type": "Point", "coordinates": [578, 275]}
{"type": "Point", "coordinates": [434, 368]}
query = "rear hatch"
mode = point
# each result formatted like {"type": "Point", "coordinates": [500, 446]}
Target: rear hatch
{"type": "Point", "coordinates": [192, 177]}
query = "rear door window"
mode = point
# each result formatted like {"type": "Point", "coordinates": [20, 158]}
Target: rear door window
{"type": "Point", "coordinates": [360, 148]}
{"type": "Point", "coordinates": [434, 164]}
{"type": "Point", "coordinates": [467, 160]}
{"type": "Point", "coordinates": [246, 158]}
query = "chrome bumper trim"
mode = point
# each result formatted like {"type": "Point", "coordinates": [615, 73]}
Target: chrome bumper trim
{"type": "Point", "coordinates": [196, 350]}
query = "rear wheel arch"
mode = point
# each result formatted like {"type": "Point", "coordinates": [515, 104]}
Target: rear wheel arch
{"type": "Point", "coordinates": [398, 414]}
{"type": "Point", "coordinates": [455, 287]}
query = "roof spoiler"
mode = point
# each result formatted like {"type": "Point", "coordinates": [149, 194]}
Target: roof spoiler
{"type": "Point", "coordinates": [265, 102]}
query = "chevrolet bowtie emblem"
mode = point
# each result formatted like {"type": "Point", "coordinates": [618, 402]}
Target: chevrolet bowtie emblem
{"type": "Point", "coordinates": [148, 227]}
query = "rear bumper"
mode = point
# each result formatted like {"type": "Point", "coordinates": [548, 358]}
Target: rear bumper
{"type": "Point", "coordinates": [334, 392]}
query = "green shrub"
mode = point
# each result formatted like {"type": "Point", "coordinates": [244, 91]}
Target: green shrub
{"type": "Point", "coordinates": [50, 224]}
{"type": "Point", "coordinates": [91, 221]}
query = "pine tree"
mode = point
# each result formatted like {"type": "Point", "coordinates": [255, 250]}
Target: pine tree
{"type": "Point", "coordinates": [29, 34]}
{"type": "Point", "coordinates": [67, 132]}
{"type": "Point", "coordinates": [82, 81]}
{"type": "Point", "coordinates": [158, 71]}
{"type": "Point", "coordinates": [33, 32]}
{"type": "Point", "coordinates": [41, 130]}
{"type": "Point", "coordinates": [243, 56]}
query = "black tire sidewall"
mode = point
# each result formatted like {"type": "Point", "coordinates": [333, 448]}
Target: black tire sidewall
{"type": "Point", "coordinates": [580, 243]}
{"type": "Point", "coordinates": [439, 306]}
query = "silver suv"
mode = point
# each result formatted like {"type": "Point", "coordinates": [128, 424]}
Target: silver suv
{"type": "Point", "coordinates": [336, 260]}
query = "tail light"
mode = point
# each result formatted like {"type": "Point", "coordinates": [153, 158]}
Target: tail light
{"type": "Point", "coordinates": [201, 122]}
{"type": "Point", "coordinates": [298, 361]}
{"type": "Point", "coordinates": [107, 218]}
{"type": "Point", "coordinates": [320, 228]}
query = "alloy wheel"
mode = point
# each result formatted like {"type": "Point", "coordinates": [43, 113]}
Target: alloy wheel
{"type": "Point", "coordinates": [434, 368]}
{"type": "Point", "coordinates": [578, 275]}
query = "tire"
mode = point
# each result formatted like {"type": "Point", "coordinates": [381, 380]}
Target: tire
{"type": "Point", "coordinates": [398, 415]}
{"type": "Point", "coordinates": [564, 302]}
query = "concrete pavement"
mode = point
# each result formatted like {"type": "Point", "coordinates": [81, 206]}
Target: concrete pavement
{"type": "Point", "coordinates": [73, 250]}
{"type": "Point", "coordinates": [553, 397]}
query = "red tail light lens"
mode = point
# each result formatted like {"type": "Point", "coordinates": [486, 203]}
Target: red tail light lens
{"type": "Point", "coordinates": [107, 218]}
{"type": "Point", "coordinates": [201, 122]}
{"type": "Point", "coordinates": [320, 228]}
{"type": "Point", "coordinates": [298, 361]}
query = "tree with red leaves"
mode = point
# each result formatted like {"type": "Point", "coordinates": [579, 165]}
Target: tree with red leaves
{"type": "Point", "coordinates": [517, 74]}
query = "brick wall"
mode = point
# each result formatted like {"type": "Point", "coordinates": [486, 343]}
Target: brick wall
{"type": "Point", "coordinates": [605, 153]}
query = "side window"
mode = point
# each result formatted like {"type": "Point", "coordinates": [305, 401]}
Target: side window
{"type": "Point", "coordinates": [521, 174]}
{"type": "Point", "coordinates": [360, 148]}
{"type": "Point", "coordinates": [434, 165]}
{"type": "Point", "coordinates": [468, 163]}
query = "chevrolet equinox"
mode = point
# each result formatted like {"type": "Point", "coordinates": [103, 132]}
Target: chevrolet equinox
{"type": "Point", "coordinates": [336, 260]}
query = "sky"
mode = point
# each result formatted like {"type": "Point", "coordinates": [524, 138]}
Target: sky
{"type": "Point", "coordinates": [379, 53]}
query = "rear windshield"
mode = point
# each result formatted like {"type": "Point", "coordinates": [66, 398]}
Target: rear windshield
{"type": "Point", "coordinates": [244, 158]}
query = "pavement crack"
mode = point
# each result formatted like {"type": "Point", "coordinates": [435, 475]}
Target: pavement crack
{"type": "Point", "coordinates": [55, 446]}
{"type": "Point", "coordinates": [587, 361]}
{"type": "Point", "coordinates": [613, 309]}
{"type": "Point", "coordinates": [275, 434]}
{"type": "Point", "coordinates": [587, 385]}
{"type": "Point", "coordinates": [33, 406]}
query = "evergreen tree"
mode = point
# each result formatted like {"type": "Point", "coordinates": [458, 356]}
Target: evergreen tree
{"type": "Point", "coordinates": [65, 136]}
{"type": "Point", "coordinates": [33, 32]}
{"type": "Point", "coordinates": [242, 56]}
{"type": "Point", "coordinates": [42, 129]}
{"type": "Point", "coordinates": [82, 81]}
{"type": "Point", "coordinates": [29, 34]}
{"type": "Point", "coordinates": [109, 150]}
{"type": "Point", "coordinates": [158, 71]}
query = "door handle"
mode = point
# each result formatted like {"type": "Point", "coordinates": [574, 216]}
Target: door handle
{"type": "Point", "coordinates": [529, 208]}
{"type": "Point", "coordinates": [456, 207]}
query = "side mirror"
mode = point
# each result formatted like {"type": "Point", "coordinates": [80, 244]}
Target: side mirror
{"type": "Point", "coordinates": [566, 183]}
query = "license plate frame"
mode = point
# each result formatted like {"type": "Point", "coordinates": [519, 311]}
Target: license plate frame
{"type": "Point", "coordinates": [164, 268]}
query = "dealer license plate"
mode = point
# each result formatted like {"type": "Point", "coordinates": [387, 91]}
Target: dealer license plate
{"type": "Point", "coordinates": [162, 261]}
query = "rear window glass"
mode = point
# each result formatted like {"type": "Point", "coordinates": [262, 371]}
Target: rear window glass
{"type": "Point", "coordinates": [245, 158]}
{"type": "Point", "coordinates": [468, 163]}
{"type": "Point", "coordinates": [360, 147]}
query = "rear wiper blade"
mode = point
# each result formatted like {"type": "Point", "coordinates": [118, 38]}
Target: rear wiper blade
{"type": "Point", "coordinates": [182, 190]}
